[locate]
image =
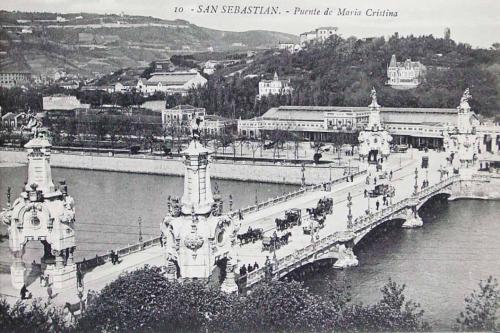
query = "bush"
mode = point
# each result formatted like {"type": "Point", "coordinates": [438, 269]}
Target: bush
{"type": "Point", "coordinates": [391, 313]}
{"type": "Point", "coordinates": [481, 308]}
{"type": "Point", "coordinates": [35, 317]}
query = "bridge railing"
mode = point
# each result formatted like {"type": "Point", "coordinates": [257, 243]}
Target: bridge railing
{"type": "Point", "coordinates": [98, 260]}
{"type": "Point", "coordinates": [359, 224]}
{"type": "Point", "coordinates": [484, 178]}
{"type": "Point", "coordinates": [291, 195]}
{"type": "Point", "coordinates": [87, 264]}
{"type": "Point", "coordinates": [281, 265]}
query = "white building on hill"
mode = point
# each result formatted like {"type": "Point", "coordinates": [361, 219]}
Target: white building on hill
{"type": "Point", "coordinates": [406, 74]}
{"type": "Point", "coordinates": [290, 47]}
{"type": "Point", "coordinates": [171, 82]}
{"type": "Point", "coordinates": [274, 87]}
{"type": "Point", "coordinates": [318, 35]}
{"type": "Point", "coordinates": [62, 103]}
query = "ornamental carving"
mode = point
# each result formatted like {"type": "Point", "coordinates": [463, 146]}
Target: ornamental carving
{"type": "Point", "coordinates": [194, 242]}
{"type": "Point", "coordinates": [68, 214]}
{"type": "Point", "coordinates": [6, 216]}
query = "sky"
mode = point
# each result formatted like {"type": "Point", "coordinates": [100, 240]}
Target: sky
{"type": "Point", "coordinates": [476, 22]}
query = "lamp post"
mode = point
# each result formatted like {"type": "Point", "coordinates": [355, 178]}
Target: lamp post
{"type": "Point", "coordinates": [349, 215]}
{"type": "Point", "coordinates": [275, 259]}
{"type": "Point", "coordinates": [8, 196]}
{"type": "Point", "coordinates": [140, 229]}
{"type": "Point", "coordinates": [330, 169]}
{"type": "Point", "coordinates": [303, 169]}
{"type": "Point", "coordinates": [415, 192]}
{"type": "Point", "coordinates": [79, 293]}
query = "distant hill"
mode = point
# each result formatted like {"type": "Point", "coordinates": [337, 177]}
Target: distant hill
{"type": "Point", "coordinates": [83, 43]}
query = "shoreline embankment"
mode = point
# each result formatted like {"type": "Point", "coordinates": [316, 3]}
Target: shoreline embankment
{"type": "Point", "coordinates": [142, 164]}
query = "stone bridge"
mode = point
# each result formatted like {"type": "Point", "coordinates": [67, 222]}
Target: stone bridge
{"type": "Point", "coordinates": [339, 245]}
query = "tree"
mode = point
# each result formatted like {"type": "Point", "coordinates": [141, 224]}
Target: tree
{"type": "Point", "coordinates": [481, 308]}
{"type": "Point", "coordinates": [392, 313]}
{"type": "Point", "coordinates": [35, 317]}
{"type": "Point", "coordinates": [144, 301]}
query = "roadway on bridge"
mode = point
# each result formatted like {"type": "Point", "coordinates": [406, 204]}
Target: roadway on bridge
{"type": "Point", "coordinates": [403, 180]}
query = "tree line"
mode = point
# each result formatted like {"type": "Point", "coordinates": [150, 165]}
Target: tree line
{"type": "Point", "coordinates": [144, 301]}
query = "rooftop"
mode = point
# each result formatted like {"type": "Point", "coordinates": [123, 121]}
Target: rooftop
{"type": "Point", "coordinates": [62, 102]}
{"type": "Point", "coordinates": [173, 78]}
{"type": "Point", "coordinates": [388, 114]}
{"type": "Point", "coordinates": [154, 105]}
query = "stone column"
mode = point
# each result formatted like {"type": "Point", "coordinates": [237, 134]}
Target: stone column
{"type": "Point", "coordinates": [17, 270]}
{"type": "Point", "coordinates": [59, 259]}
{"type": "Point", "coordinates": [171, 270]}
{"type": "Point", "coordinates": [69, 261]}
{"type": "Point", "coordinates": [229, 285]}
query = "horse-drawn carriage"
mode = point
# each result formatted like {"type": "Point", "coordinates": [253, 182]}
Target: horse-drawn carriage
{"type": "Point", "coordinates": [292, 218]}
{"type": "Point", "coordinates": [274, 242]}
{"type": "Point", "coordinates": [250, 236]}
{"type": "Point", "coordinates": [313, 224]}
{"type": "Point", "coordinates": [381, 189]}
{"type": "Point", "coordinates": [324, 206]}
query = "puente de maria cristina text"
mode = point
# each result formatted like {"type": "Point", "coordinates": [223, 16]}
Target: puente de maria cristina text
{"type": "Point", "coordinates": [201, 239]}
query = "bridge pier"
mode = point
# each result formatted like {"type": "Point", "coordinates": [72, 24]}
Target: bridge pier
{"type": "Point", "coordinates": [412, 219]}
{"type": "Point", "coordinates": [347, 258]}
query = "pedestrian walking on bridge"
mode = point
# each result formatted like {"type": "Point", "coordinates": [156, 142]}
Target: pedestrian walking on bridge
{"type": "Point", "coordinates": [377, 204]}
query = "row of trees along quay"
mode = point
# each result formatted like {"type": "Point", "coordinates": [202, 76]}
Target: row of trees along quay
{"type": "Point", "coordinates": [144, 301]}
{"type": "Point", "coordinates": [146, 132]}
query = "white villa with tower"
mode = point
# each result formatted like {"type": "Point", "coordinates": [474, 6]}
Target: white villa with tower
{"type": "Point", "coordinates": [274, 87]}
{"type": "Point", "coordinates": [407, 74]}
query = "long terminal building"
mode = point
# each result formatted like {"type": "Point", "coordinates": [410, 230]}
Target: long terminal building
{"type": "Point", "coordinates": [418, 127]}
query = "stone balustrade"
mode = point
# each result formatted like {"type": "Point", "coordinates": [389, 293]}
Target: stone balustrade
{"type": "Point", "coordinates": [98, 260]}
{"type": "Point", "coordinates": [301, 256]}
{"type": "Point", "coordinates": [291, 195]}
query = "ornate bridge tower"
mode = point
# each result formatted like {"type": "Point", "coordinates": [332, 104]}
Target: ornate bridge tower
{"type": "Point", "coordinates": [374, 140]}
{"type": "Point", "coordinates": [42, 213]}
{"type": "Point", "coordinates": [196, 235]}
{"type": "Point", "coordinates": [462, 142]}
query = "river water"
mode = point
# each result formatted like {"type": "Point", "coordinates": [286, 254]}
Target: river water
{"type": "Point", "coordinates": [440, 263]}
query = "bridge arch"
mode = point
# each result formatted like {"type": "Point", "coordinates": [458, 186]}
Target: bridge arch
{"type": "Point", "coordinates": [441, 194]}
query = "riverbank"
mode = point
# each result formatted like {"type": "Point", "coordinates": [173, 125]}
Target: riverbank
{"type": "Point", "coordinates": [143, 164]}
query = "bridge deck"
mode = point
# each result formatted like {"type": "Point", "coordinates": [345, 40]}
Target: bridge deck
{"type": "Point", "coordinates": [403, 180]}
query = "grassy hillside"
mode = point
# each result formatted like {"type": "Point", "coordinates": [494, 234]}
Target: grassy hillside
{"type": "Point", "coordinates": [112, 41]}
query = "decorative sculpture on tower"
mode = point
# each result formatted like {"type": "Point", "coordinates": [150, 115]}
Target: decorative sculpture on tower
{"type": "Point", "coordinates": [461, 141]}
{"type": "Point", "coordinates": [42, 213]}
{"type": "Point", "coordinates": [374, 140]}
{"type": "Point", "coordinates": [196, 234]}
